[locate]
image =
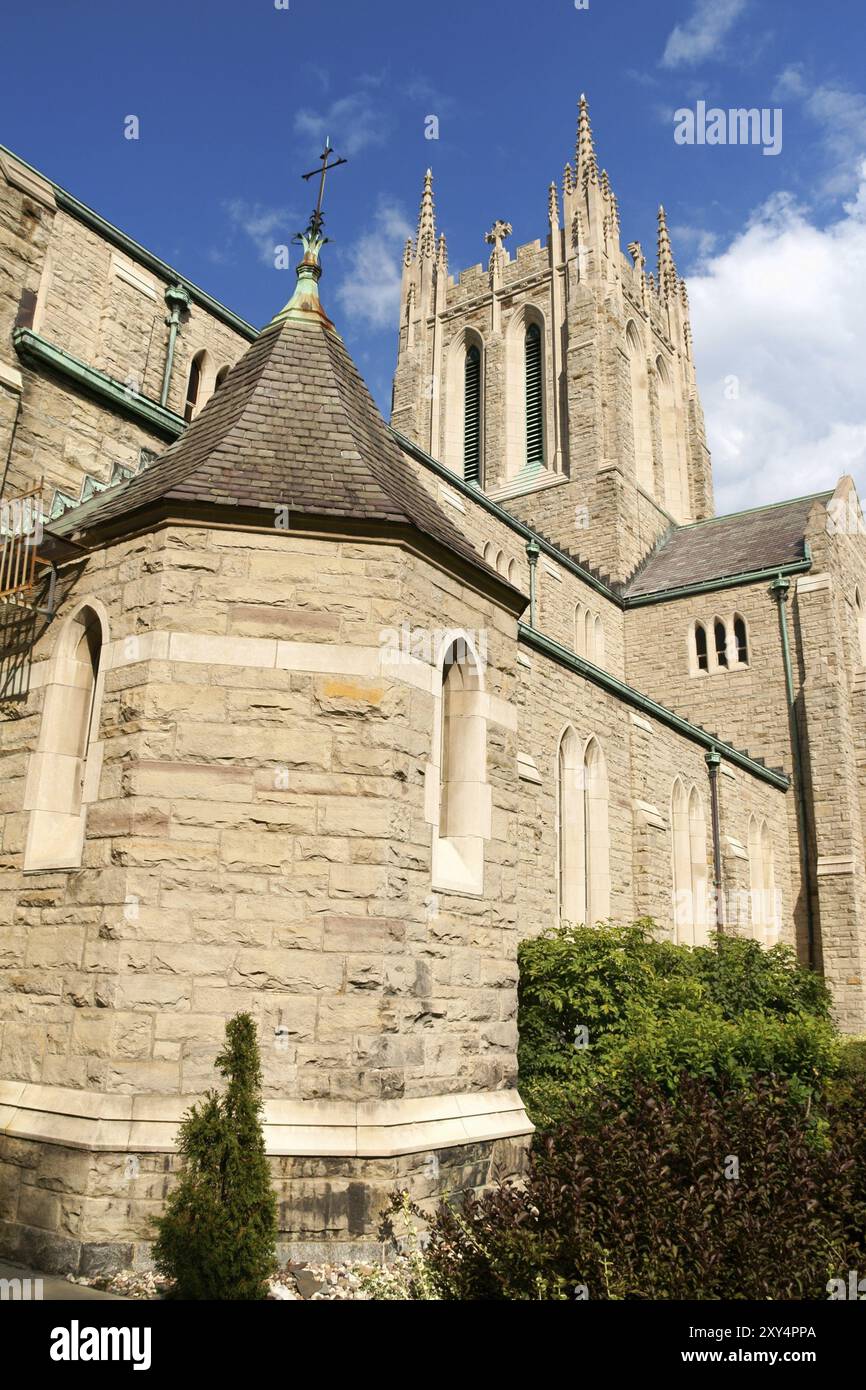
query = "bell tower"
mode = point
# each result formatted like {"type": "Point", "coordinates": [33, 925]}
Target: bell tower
{"type": "Point", "coordinates": [560, 378]}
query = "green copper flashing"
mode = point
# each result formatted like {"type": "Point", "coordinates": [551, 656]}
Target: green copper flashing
{"type": "Point", "coordinates": [727, 581]}
{"type": "Point", "coordinates": [707, 586]}
{"type": "Point", "coordinates": [31, 346]}
{"type": "Point", "coordinates": [629, 696]}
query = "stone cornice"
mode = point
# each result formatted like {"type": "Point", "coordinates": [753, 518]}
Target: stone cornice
{"type": "Point", "coordinates": [101, 1122]}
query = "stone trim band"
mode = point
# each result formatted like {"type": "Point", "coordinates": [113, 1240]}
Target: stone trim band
{"type": "Point", "coordinates": [104, 1123]}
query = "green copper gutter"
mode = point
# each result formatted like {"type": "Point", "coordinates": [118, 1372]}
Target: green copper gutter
{"type": "Point", "coordinates": [706, 586]}
{"type": "Point", "coordinates": [728, 581]}
{"type": "Point", "coordinates": [82, 213]}
{"type": "Point", "coordinates": [547, 647]}
{"type": "Point", "coordinates": [32, 347]}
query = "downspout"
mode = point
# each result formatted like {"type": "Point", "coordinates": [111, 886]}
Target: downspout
{"type": "Point", "coordinates": [780, 588]}
{"type": "Point", "coordinates": [532, 553]}
{"type": "Point", "coordinates": [177, 300]}
{"type": "Point", "coordinates": [713, 761]}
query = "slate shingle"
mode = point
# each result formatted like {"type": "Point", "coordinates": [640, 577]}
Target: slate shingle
{"type": "Point", "coordinates": [293, 425]}
{"type": "Point", "coordinates": [726, 546]}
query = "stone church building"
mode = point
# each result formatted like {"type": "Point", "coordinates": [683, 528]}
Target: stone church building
{"type": "Point", "coordinates": [313, 716]}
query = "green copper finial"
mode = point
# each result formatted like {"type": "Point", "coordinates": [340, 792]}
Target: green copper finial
{"type": "Point", "coordinates": [305, 300]}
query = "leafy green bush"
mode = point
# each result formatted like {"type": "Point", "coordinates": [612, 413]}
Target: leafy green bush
{"type": "Point", "coordinates": [652, 1011]}
{"type": "Point", "coordinates": [705, 1194]}
{"type": "Point", "coordinates": [217, 1237]}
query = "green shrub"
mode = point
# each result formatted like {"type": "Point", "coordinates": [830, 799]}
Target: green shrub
{"type": "Point", "coordinates": [217, 1237]}
{"type": "Point", "coordinates": [654, 1011]}
{"type": "Point", "coordinates": [647, 1203]}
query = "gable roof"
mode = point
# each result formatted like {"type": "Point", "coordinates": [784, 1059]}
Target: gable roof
{"type": "Point", "coordinates": [726, 546]}
{"type": "Point", "coordinates": [292, 426]}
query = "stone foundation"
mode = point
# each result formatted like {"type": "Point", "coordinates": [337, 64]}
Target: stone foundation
{"type": "Point", "coordinates": [79, 1192]}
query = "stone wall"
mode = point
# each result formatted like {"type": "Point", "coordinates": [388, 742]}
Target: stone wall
{"type": "Point", "coordinates": [95, 301]}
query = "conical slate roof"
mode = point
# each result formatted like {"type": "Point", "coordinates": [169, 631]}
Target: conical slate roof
{"type": "Point", "coordinates": [293, 425]}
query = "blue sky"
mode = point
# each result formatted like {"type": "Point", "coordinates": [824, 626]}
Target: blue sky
{"type": "Point", "coordinates": [233, 100]}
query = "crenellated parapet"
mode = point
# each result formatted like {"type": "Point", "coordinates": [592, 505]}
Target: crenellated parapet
{"type": "Point", "coordinates": [587, 375]}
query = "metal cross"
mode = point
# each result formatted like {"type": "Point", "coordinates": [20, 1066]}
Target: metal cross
{"type": "Point", "coordinates": [316, 220]}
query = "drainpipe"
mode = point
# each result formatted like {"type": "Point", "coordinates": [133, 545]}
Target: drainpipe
{"type": "Point", "coordinates": [177, 300]}
{"type": "Point", "coordinates": [779, 589]}
{"type": "Point", "coordinates": [713, 761]}
{"type": "Point", "coordinates": [533, 550]}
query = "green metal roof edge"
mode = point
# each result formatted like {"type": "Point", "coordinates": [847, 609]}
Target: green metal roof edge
{"type": "Point", "coordinates": [727, 581]}
{"type": "Point", "coordinates": [469, 490]}
{"type": "Point", "coordinates": [31, 345]}
{"type": "Point", "coordinates": [123, 242]}
{"type": "Point", "coordinates": [767, 507]}
{"type": "Point", "coordinates": [624, 601]}
{"type": "Point", "coordinates": [633, 697]}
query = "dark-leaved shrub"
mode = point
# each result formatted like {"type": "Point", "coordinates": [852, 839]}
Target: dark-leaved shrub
{"type": "Point", "coordinates": [704, 1194]}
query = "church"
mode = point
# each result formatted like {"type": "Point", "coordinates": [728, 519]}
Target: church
{"type": "Point", "coordinates": [315, 716]}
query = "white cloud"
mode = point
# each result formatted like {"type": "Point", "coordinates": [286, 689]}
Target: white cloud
{"type": "Point", "coordinates": [266, 227]}
{"type": "Point", "coordinates": [352, 122]}
{"type": "Point", "coordinates": [840, 116]}
{"type": "Point", "coordinates": [780, 317]}
{"type": "Point", "coordinates": [702, 33]}
{"type": "Point", "coordinates": [370, 291]}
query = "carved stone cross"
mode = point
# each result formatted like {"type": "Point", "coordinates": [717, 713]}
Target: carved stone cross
{"type": "Point", "coordinates": [497, 234]}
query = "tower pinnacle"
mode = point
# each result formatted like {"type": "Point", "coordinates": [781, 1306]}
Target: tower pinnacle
{"type": "Point", "coordinates": [667, 270]}
{"type": "Point", "coordinates": [586, 167]}
{"type": "Point", "coordinates": [426, 242]}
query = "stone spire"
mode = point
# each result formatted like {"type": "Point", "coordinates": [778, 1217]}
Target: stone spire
{"type": "Point", "coordinates": [426, 240]}
{"type": "Point", "coordinates": [552, 206]}
{"type": "Point", "coordinates": [667, 271]}
{"type": "Point", "coordinates": [442, 255]}
{"type": "Point", "coordinates": [586, 167]}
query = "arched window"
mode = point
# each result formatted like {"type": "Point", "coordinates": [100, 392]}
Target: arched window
{"type": "Point", "coordinates": [702, 658]}
{"type": "Point", "coordinates": [589, 636]}
{"type": "Point", "coordinates": [513, 573]}
{"type": "Point", "coordinates": [598, 642]}
{"type": "Point", "coordinates": [221, 376]}
{"type": "Point", "coordinates": [571, 830]}
{"type": "Point", "coordinates": [700, 876]}
{"type": "Point", "coordinates": [464, 803]}
{"type": "Point", "coordinates": [462, 421]}
{"type": "Point", "coordinates": [721, 639]}
{"type": "Point", "coordinates": [690, 876]}
{"type": "Point", "coordinates": [762, 883]}
{"type": "Point", "coordinates": [741, 641]}
{"type": "Point", "coordinates": [472, 416]}
{"type": "Point", "coordinates": [676, 481]}
{"type": "Point", "coordinates": [583, 831]}
{"type": "Point", "coordinates": [596, 819]}
{"type": "Point", "coordinates": [640, 413]}
{"type": "Point", "coordinates": [579, 630]}
{"type": "Point", "coordinates": [534, 398]}
{"type": "Point", "coordinates": [194, 392]}
{"type": "Point", "coordinates": [63, 774]}
{"type": "Point", "coordinates": [490, 554]}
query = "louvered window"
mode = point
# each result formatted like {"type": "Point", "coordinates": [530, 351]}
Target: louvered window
{"type": "Point", "coordinates": [472, 417]}
{"type": "Point", "coordinates": [534, 415]}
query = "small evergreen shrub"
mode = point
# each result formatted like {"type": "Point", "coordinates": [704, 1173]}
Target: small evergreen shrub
{"type": "Point", "coordinates": [704, 1194]}
{"type": "Point", "coordinates": [217, 1238]}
